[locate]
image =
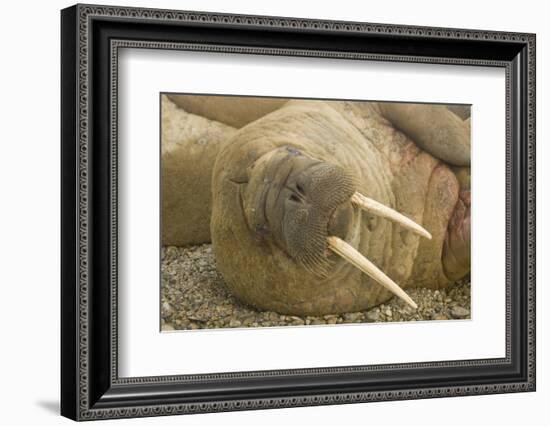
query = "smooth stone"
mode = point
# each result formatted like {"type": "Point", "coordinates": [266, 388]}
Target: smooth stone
{"type": "Point", "coordinates": [373, 316]}
{"type": "Point", "coordinates": [460, 312]}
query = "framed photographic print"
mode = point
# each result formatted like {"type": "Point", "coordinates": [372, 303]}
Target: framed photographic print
{"type": "Point", "coordinates": [263, 212]}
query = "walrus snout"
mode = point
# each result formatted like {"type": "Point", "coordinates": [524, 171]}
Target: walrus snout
{"type": "Point", "coordinates": [293, 199]}
{"type": "Point", "coordinates": [317, 204]}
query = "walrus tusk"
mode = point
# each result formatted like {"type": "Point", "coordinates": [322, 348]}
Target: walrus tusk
{"type": "Point", "coordinates": [379, 209]}
{"type": "Point", "coordinates": [347, 252]}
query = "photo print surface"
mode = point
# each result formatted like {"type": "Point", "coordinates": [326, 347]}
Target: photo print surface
{"type": "Point", "coordinates": [308, 212]}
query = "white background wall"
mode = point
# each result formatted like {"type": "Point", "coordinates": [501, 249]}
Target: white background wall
{"type": "Point", "coordinates": [29, 211]}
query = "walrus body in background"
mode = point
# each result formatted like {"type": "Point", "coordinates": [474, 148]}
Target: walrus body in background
{"type": "Point", "coordinates": [282, 183]}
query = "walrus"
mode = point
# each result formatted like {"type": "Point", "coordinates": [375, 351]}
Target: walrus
{"type": "Point", "coordinates": [326, 207]}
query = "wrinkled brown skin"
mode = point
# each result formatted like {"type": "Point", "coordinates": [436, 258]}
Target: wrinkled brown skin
{"type": "Point", "coordinates": [260, 268]}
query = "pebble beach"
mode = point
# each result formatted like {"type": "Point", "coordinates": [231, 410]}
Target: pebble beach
{"type": "Point", "coordinates": [194, 296]}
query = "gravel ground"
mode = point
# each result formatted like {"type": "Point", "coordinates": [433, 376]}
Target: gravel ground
{"type": "Point", "coordinates": [194, 296]}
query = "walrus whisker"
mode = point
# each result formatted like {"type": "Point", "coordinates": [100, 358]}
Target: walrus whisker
{"type": "Point", "coordinates": [315, 264]}
{"type": "Point", "coordinates": [379, 209]}
{"type": "Point", "coordinates": [348, 253]}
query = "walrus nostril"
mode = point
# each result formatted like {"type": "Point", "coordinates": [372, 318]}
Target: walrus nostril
{"type": "Point", "coordinates": [295, 198]}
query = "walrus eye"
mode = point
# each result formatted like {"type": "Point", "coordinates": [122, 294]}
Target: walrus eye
{"type": "Point", "coordinates": [348, 253]}
{"type": "Point", "coordinates": [293, 151]}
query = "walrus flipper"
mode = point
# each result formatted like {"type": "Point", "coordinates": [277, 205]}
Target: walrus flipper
{"type": "Point", "coordinates": [234, 111]}
{"type": "Point", "coordinates": [434, 128]}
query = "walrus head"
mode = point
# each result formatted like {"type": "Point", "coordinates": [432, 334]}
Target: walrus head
{"type": "Point", "coordinates": [306, 208]}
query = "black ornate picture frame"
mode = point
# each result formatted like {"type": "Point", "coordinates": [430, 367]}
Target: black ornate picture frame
{"type": "Point", "coordinates": [90, 38]}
